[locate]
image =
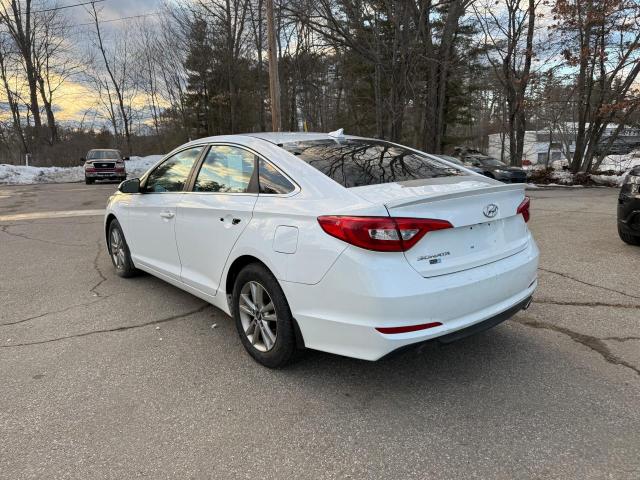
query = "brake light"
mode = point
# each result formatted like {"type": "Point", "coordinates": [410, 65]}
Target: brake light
{"type": "Point", "coordinates": [381, 234]}
{"type": "Point", "coordinates": [523, 209]}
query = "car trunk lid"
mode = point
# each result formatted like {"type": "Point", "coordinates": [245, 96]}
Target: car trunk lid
{"type": "Point", "coordinates": [486, 226]}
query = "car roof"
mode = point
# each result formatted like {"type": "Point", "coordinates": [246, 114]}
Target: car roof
{"type": "Point", "coordinates": [275, 138]}
{"type": "Point", "coordinates": [104, 150]}
{"type": "Point", "coordinates": [279, 138]}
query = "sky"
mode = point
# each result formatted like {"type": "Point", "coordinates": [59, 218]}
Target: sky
{"type": "Point", "coordinates": [74, 99]}
{"type": "Point", "coordinates": [113, 8]}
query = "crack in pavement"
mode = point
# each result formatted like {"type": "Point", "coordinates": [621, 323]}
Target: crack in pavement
{"type": "Point", "coordinates": [621, 339]}
{"type": "Point", "coordinates": [546, 301]}
{"type": "Point", "coordinates": [115, 329]}
{"type": "Point", "coordinates": [94, 289]}
{"type": "Point", "coordinates": [35, 317]}
{"type": "Point", "coordinates": [5, 229]}
{"type": "Point", "coordinates": [566, 275]}
{"type": "Point", "coordinates": [595, 344]}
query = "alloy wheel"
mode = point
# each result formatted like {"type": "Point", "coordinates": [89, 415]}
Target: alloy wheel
{"type": "Point", "coordinates": [258, 316]}
{"type": "Point", "coordinates": [117, 249]}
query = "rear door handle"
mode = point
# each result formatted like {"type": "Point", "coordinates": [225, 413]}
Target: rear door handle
{"type": "Point", "coordinates": [167, 214]}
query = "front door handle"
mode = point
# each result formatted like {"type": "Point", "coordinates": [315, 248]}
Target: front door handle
{"type": "Point", "coordinates": [235, 221]}
{"type": "Point", "coordinates": [167, 214]}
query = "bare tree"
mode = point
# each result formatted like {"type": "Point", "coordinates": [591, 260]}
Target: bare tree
{"type": "Point", "coordinates": [9, 77]}
{"type": "Point", "coordinates": [17, 17]}
{"type": "Point", "coordinates": [117, 65]}
{"type": "Point", "coordinates": [508, 28]}
{"type": "Point", "coordinates": [53, 61]}
{"type": "Point", "coordinates": [601, 41]}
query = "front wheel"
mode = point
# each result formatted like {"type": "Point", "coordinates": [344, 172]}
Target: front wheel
{"type": "Point", "coordinates": [119, 251]}
{"type": "Point", "coordinates": [629, 239]}
{"type": "Point", "coordinates": [88, 181]}
{"type": "Point", "coordinates": [263, 318]}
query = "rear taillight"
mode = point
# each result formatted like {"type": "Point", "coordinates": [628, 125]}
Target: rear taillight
{"type": "Point", "coordinates": [381, 234]}
{"type": "Point", "coordinates": [524, 208]}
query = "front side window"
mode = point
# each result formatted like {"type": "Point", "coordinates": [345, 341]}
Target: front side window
{"type": "Point", "coordinates": [225, 169]}
{"type": "Point", "coordinates": [272, 181]}
{"type": "Point", "coordinates": [360, 162]}
{"type": "Point", "coordinates": [172, 174]}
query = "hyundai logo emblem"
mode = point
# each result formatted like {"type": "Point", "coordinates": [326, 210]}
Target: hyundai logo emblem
{"type": "Point", "coordinates": [490, 210]}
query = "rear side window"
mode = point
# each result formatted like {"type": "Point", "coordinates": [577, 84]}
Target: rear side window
{"type": "Point", "coordinates": [225, 169]}
{"type": "Point", "coordinates": [272, 181]}
{"type": "Point", "coordinates": [356, 162]}
{"type": "Point", "coordinates": [171, 175]}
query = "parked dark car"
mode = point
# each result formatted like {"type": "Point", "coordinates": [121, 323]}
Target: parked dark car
{"type": "Point", "coordinates": [494, 168]}
{"type": "Point", "coordinates": [457, 161]}
{"type": "Point", "coordinates": [104, 164]}
{"type": "Point", "coordinates": [629, 208]}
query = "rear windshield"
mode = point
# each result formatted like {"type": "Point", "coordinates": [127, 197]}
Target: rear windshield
{"type": "Point", "coordinates": [359, 162]}
{"type": "Point", "coordinates": [103, 155]}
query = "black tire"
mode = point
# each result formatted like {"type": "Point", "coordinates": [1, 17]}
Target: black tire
{"type": "Point", "coordinates": [88, 181]}
{"type": "Point", "coordinates": [122, 263]}
{"type": "Point", "coordinates": [283, 349]}
{"type": "Point", "coordinates": [628, 238]}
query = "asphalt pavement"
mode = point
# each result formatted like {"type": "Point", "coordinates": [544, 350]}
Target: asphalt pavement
{"type": "Point", "coordinates": [103, 377]}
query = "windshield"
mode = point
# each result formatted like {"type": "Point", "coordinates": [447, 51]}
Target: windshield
{"type": "Point", "coordinates": [360, 162]}
{"type": "Point", "coordinates": [103, 155]}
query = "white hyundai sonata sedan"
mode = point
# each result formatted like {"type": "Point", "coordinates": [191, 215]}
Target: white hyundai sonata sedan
{"type": "Point", "coordinates": [349, 245]}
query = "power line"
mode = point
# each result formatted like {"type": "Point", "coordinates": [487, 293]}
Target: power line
{"type": "Point", "coordinates": [68, 6]}
{"type": "Point", "coordinates": [120, 18]}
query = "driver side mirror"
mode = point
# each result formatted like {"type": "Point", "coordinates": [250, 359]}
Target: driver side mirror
{"type": "Point", "coordinates": [126, 158]}
{"type": "Point", "coordinates": [130, 186]}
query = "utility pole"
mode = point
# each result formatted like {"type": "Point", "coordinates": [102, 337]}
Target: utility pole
{"type": "Point", "coordinates": [274, 80]}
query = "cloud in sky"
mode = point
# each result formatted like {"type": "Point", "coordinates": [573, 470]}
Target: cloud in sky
{"type": "Point", "coordinates": [113, 9]}
{"type": "Point", "coordinates": [74, 99]}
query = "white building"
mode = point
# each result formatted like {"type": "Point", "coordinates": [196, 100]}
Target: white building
{"type": "Point", "coordinates": [544, 146]}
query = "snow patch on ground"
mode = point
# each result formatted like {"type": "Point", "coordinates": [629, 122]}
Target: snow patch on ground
{"type": "Point", "coordinates": [621, 163]}
{"type": "Point", "coordinates": [21, 175]}
{"type": "Point", "coordinates": [137, 166]}
{"type": "Point", "coordinates": [612, 172]}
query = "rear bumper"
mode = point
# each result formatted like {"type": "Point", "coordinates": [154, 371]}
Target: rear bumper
{"type": "Point", "coordinates": [473, 329]}
{"type": "Point", "coordinates": [340, 313]}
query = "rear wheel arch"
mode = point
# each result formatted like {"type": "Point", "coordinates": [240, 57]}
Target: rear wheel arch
{"type": "Point", "coordinates": [235, 268]}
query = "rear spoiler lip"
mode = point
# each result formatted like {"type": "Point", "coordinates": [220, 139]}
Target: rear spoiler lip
{"type": "Point", "coordinates": [447, 196]}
